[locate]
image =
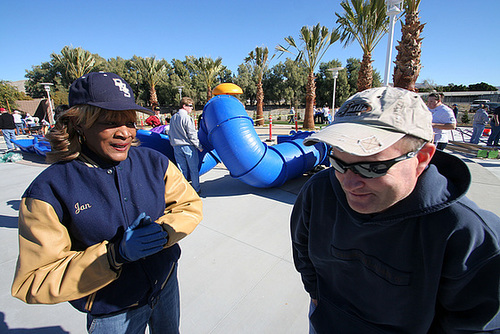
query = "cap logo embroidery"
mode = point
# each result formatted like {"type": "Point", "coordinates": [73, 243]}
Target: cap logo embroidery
{"type": "Point", "coordinates": [354, 109]}
{"type": "Point", "coordinates": [369, 144]}
{"type": "Point", "coordinates": [123, 87]}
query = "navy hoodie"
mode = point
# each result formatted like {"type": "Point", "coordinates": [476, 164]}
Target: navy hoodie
{"type": "Point", "coordinates": [428, 264]}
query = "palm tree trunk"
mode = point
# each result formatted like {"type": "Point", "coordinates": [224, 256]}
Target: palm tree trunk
{"type": "Point", "coordinates": [365, 75]}
{"type": "Point", "coordinates": [209, 93]}
{"type": "Point", "coordinates": [153, 98]}
{"type": "Point", "coordinates": [407, 62]}
{"type": "Point", "coordinates": [310, 98]}
{"type": "Point", "coordinates": [260, 104]}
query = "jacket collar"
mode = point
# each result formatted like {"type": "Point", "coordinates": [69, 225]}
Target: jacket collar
{"type": "Point", "coordinates": [92, 160]}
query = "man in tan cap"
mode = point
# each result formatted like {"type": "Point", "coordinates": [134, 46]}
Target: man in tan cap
{"type": "Point", "coordinates": [386, 241]}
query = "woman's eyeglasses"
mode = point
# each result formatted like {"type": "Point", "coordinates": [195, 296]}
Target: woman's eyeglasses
{"type": "Point", "coordinates": [370, 169]}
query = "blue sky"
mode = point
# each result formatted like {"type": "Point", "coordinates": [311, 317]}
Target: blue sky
{"type": "Point", "coordinates": [460, 43]}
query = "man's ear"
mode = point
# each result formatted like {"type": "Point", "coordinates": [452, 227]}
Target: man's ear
{"type": "Point", "coordinates": [424, 157]}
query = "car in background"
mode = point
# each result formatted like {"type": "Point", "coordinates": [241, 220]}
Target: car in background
{"type": "Point", "coordinates": [492, 106]}
{"type": "Point", "coordinates": [476, 104]}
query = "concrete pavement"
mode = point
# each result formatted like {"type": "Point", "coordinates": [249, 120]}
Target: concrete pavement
{"type": "Point", "coordinates": [236, 272]}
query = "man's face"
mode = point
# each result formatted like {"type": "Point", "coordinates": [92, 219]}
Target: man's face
{"type": "Point", "coordinates": [375, 195]}
{"type": "Point", "coordinates": [432, 102]}
{"type": "Point", "coordinates": [188, 107]}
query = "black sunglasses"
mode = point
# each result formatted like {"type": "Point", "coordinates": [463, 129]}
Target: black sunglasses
{"type": "Point", "coordinates": [371, 169]}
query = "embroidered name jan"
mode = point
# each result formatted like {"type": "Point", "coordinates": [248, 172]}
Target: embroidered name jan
{"type": "Point", "coordinates": [79, 208]}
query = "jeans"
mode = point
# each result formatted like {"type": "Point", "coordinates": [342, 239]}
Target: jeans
{"type": "Point", "coordinates": [494, 135]}
{"type": "Point", "coordinates": [19, 128]}
{"type": "Point", "coordinates": [9, 135]}
{"type": "Point", "coordinates": [312, 307]}
{"type": "Point", "coordinates": [187, 160]}
{"type": "Point", "coordinates": [477, 132]}
{"type": "Point", "coordinates": [162, 318]}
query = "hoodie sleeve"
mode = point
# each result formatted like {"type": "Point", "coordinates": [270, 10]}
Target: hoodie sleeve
{"type": "Point", "coordinates": [183, 210]}
{"type": "Point", "coordinates": [469, 292]}
{"type": "Point", "coordinates": [299, 223]}
{"type": "Point", "coordinates": [48, 271]}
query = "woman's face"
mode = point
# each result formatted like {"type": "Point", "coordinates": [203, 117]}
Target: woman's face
{"type": "Point", "coordinates": [111, 135]}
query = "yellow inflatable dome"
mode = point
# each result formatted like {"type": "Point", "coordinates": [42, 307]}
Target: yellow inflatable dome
{"type": "Point", "coordinates": [227, 89]}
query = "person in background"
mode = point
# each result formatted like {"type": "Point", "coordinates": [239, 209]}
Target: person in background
{"type": "Point", "coordinates": [292, 116]}
{"type": "Point", "coordinates": [443, 120]}
{"type": "Point", "coordinates": [495, 128]}
{"type": "Point", "coordinates": [455, 110]}
{"type": "Point", "coordinates": [154, 120]}
{"type": "Point", "coordinates": [386, 241]}
{"type": "Point", "coordinates": [479, 122]}
{"type": "Point", "coordinates": [184, 140]}
{"type": "Point", "coordinates": [326, 114]}
{"type": "Point", "coordinates": [100, 226]}
{"type": "Point", "coordinates": [29, 120]}
{"type": "Point", "coordinates": [18, 121]}
{"type": "Point", "coordinates": [8, 128]}
{"type": "Point", "coordinates": [318, 116]}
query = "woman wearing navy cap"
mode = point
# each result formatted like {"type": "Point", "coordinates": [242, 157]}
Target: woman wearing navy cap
{"type": "Point", "coordinates": [99, 227]}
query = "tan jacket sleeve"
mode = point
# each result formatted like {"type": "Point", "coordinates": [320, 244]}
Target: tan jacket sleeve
{"type": "Point", "coordinates": [47, 270]}
{"type": "Point", "coordinates": [183, 211]}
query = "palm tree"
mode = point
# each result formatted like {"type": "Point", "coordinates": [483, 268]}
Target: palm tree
{"type": "Point", "coordinates": [365, 21]}
{"type": "Point", "coordinates": [316, 41]}
{"type": "Point", "coordinates": [152, 71]}
{"type": "Point", "coordinates": [75, 62]}
{"type": "Point", "coordinates": [259, 59]}
{"type": "Point", "coordinates": [208, 69]}
{"type": "Point", "coordinates": [409, 49]}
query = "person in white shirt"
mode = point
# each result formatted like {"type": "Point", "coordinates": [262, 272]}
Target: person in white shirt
{"type": "Point", "coordinates": [443, 120]}
{"type": "Point", "coordinates": [326, 114]}
{"type": "Point", "coordinates": [18, 121]}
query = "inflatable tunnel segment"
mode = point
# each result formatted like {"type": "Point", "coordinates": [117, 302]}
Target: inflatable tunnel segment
{"type": "Point", "coordinates": [227, 127]}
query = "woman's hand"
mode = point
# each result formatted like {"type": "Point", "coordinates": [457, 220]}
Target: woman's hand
{"type": "Point", "coordinates": [141, 239]}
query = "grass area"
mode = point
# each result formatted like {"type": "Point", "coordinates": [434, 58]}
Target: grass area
{"type": "Point", "coordinates": [299, 124]}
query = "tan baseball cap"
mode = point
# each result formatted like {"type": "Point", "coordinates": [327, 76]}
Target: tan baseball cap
{"type": "Point", "coordinates": [374, 119]}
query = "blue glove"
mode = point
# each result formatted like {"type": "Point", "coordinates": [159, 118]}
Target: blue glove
{"type": "Point", "coordinates": [141, 239]}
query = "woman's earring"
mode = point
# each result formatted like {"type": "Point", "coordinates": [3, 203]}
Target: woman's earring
{"type": "Point", "coordinates": [81, 137]}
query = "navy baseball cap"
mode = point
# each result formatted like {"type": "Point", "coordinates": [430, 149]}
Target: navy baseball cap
{"type": "Point", "coordinates": [104, 90]}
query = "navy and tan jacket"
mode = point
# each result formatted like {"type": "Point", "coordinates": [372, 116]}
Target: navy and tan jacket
{"type": "Point", "coordinates": [74, 211]}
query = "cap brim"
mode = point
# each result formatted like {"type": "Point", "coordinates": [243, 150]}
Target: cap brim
{"type": "Point", "coordinates": [356, 139]}
{"type": "Point", "coordinates": [113, 105]}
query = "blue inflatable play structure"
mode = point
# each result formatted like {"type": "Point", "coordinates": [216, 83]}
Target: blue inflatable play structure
{"type": "Point", "coordinates": [227, 133]}
{"type": "Point", "coordinates": [37, 145]}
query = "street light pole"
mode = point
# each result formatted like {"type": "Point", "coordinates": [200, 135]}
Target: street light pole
{"type": "Point", "coordinates": [393, 9]}
{"type": "Point", "coordinates": [180, 91]}
{"type": "Point", "coordinates": [335, 73]}
{"type": "Point", "coordinates": [46, 86]}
